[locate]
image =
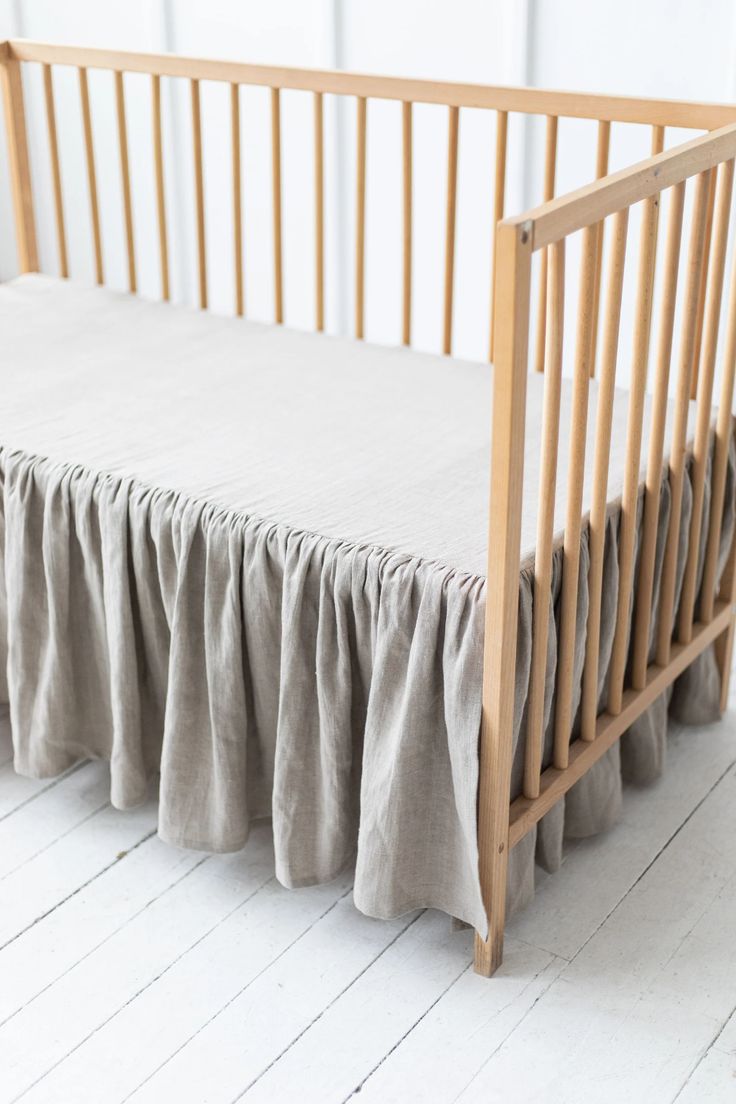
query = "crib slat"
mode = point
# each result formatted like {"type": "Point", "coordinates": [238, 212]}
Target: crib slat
{"type": "Point", "coordinates": [724, 643]}
{"type": "Point", "coordinates": [550, 163]}
{"type": "Point", "coordinates": [645, 587]}
{"type": "Point", "coordinates": [237, 198]}
{"type": "Point", "coordinates": [91, 174]}
{"type": "Point", "coordinates": [361, 126]}
{"type": "Point", "coordinates": [406, 137]}
{"type": "Point", "coordinates": [48, 89]}
{"type": "Point", "coordinates": [499, 196]}
{"type": "Point", "coordinates": [679, 426]}
{"type": "Point", "coordinates": [199, 193]}
{"type": "Point", "coordinates": [701, 446]}
{"type": "Point", "coordinates": [627, 525]}
{"type": "Point", "coordinates": [545, 520]}
{"type": "Point", "coordinates": [697, 352]}
{"type": "Point", "coordinates": [278, 278]}
{"type": "Point", "coordinates": [573, 521]}
{"type": "Point", "coordinates": [319, 212]}
{"type": "Point", "coordinates": [125, 178]}
{"type": "Point", "coordinates": [452, 143]}
{"type": "Point", "coordinates": [599, 506]}
{"type": "Point", "coordinates": [158, 162]}
{"type": "Point", "coordinates": [724, 428]}
{"type": "Point", "coordinates": [601, 169]}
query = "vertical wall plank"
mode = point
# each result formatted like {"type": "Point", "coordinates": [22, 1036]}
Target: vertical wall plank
{"type": "Point", "coordinates": [125, 178]}
{"type": "Point", "coordinates": [158, 164]}
{"type": "Point", "coordinates": [407, 181]}
{"type": "Point", "coordinates": [601, 462]}
{"type": "Point", "coordinates": [48, 89]}
{"type": "Point", "coordinates": [452, 143]}
{"type": "Point", "coordinates": [319, 212]}
{"type": "Point", "coordinates": [278, 277]}
{"type": "Point", "coordinates": [360, 217]}
{"type": "Point", "coordinates": [91, 174]}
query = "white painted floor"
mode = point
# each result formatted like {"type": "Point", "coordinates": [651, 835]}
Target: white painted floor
{"type": "Point", "coordinates": [133, 971]}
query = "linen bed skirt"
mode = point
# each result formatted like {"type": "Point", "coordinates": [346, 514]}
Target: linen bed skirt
{"type": "Point", "coordinates": [257, 670]}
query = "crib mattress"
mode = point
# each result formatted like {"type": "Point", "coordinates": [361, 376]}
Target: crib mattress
{"type": "Point", "coordinates": [250, 563]}
{"type": "Point", "coordinates": [371, 445]}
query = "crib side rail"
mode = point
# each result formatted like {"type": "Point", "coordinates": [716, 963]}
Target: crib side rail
{"type": "Point", "coordinates": [504, 103]}
{"type": "Point", "coordinates": [658, 630]}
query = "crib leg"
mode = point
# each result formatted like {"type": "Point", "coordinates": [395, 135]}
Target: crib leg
{"type": "Point", "coordinates": [489, 952]}
{"type": "Point", "coordinates": [724, 659]}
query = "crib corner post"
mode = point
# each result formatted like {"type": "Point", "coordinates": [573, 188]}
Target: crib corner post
{"type": "Point", "coordinates": [513, 268]}
{"type": "Point", "coordinates": [725, 642]}
{"type": "Point", "coordinates": [20, 170]}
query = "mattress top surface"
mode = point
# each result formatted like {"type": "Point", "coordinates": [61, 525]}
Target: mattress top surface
{"type": "Point", "coordinates": [345, 439]}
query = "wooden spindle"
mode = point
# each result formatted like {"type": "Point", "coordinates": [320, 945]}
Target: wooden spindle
{"type": "Point", "coordinates": [650, 524]}
{"type": "Point", "coordinates": [698, 348]}
{"type": "Point", "coordinates": [362, 112]}
{"type": "Point", "coordinates": [237, 197]}
{"type": "Point", "coordinates": [601, 462]}
{"type": "Point", "coordinates": [545, 520]}
{"type": "Point", "coordinates": [724, 645]}
{"type": "Point", "coordinates": [724, 429]}
{"type": "Point", "coordinates": [319, 212]}
{"type": "Point", "coordinates": [452, 143]}
{"type": "Point", "coordinates": [48, 89]}
{"type": "Point", "coordinates": [91, 174]}
{"type": "Point", "coordinates": [19, 166]}
{"type": "Point", "coordinates": [278, 277]}
{"type": "Point", "coordinates": [601, 169]}
{"type": "Point", "coordinates": [406, 240]}
{"type": "Point", "coordinates": [680, 419]}
{"type": "Point", "coordinates": [634, 428]}
{"type": "Point", "coordinates": [701, 447]}
{"type": "Point", "coordinates": [125, 178]}
{"type": "Point", "coordinates": [573, 520]}
{"type": "Point", "coordinates": [199, 193]}
{"type": "Point", "coordinates": [158, 163]}
{"type": "Point", "coordinates": [499, 197]}
{"type": "Point", "coordinates": [550, 163]}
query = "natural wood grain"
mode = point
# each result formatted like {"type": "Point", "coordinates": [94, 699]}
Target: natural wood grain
{"type": "Point", "coordinates": [679, 427]}
{"type": "Point", "coordinates": [573, 521]}
{"type": "Point", "coordinates": [601, 462]}
{"type": "Point", "coordinates": [601, 168]}
{"type": "Point", "coordinates": [91, 175]}
{"type": "Point", "coordinates": [125, 179]}
{"type": "Point", "coordinates": [499, 198]}
{"type": "Point", "coordinates": [451, 207]}
{"type": "Point", "coordinates": [697, 351]}
{"type": "Point", "coordinates": [550, 163]}
{"type": "Point", "coordinates": [199, 193]}
{"type": "Point", "coordinates": [48, 90]}
{"type": "Point", "coordinates": [545, 519]}
{"type": "Point", "coordinates": [533, 101]}
{"type": "Point", "coordinates": [158, 163]}
{"type": "Point", "coordinates": [628, 522]}
{"type": "Point", "coordinates": [19, 165]}
{"type": "Point", "coordinates": [237, 199]}
{"type": "Point", "coordinates": [502, 590]}
{"type": "Point", "coordinates": [704, 418]}
{"type": "Point", "coordinates": [650, 522]}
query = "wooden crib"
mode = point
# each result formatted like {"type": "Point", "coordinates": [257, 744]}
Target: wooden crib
{"type": "Point", "coordinates": [707, 161]}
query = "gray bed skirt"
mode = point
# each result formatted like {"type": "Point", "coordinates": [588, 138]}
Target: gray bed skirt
{"type": "Point", "coordinates": [249, 669]}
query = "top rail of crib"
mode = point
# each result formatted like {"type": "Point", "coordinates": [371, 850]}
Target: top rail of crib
{"type": "Point", "coordinates": [581, 105]}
